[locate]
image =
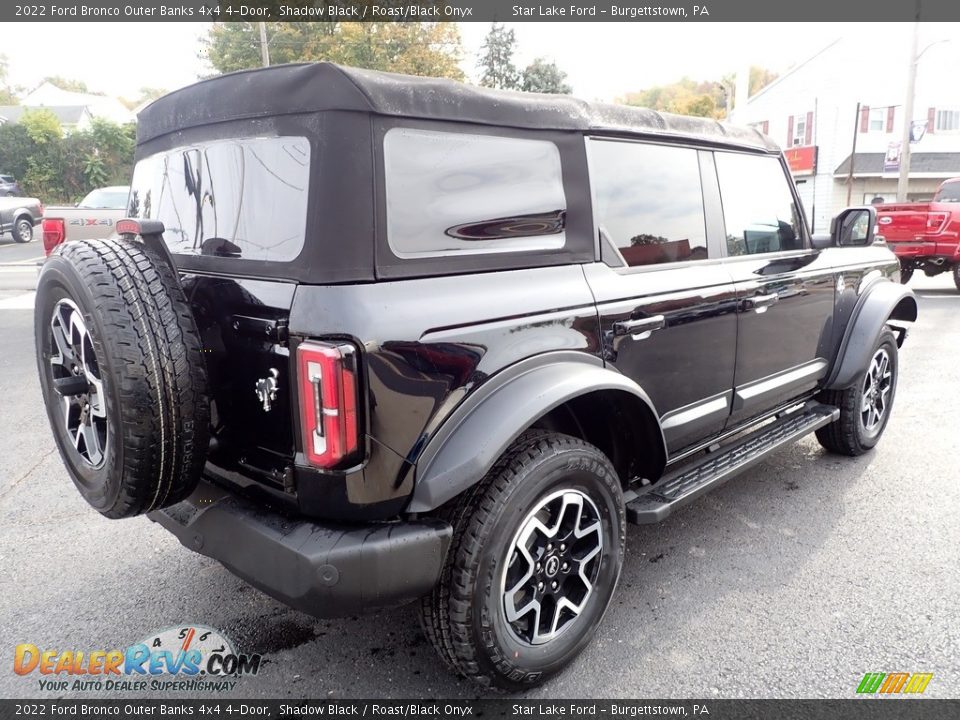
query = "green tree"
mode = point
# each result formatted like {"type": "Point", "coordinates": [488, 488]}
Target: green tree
{"type": "Point", "coordinates": [42, 126]}
{"type": "Point", "coordinates": [7, 96]}
{"type": "Point", "coordinates": [416, 48]}
{"type": "Point", "coordinates": [70, 85]}
{"type": "Point", "coordinates": [541, 76]}
{"type": "Point", "coordinates": [497, 59]}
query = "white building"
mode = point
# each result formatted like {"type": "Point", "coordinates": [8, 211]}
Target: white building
{"type": "Point", "coordinates": [99, 106]}
{"type": "Point", "coordinates": [812, 112]}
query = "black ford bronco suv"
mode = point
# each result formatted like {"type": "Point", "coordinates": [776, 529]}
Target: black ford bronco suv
{"type": "Point", "coordinates": [368, 339]}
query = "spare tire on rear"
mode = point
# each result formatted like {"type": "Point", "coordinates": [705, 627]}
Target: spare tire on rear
{"type": "Point", "coordinates": [122, 373]}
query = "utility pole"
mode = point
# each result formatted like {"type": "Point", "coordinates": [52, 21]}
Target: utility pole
{"type": "Point", "coordinates": [908, 118]}
{"type": "Point", "coordinates": [265, 51]}
{"type": "Point", "coordinates": [853, 154]}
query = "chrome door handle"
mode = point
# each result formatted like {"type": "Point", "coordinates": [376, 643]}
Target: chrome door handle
{"type": "Point", "coordinates": [639, 329]}
{"type": "Point", "coordinates": [760, 303]}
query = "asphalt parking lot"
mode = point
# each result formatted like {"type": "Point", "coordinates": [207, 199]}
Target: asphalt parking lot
{"type": "Point", "coordinates": [793, 580]}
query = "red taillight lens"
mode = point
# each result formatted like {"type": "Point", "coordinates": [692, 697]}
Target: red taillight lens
{"type": "Point", "coordinates": [54, 231]}
{"type": "Point", "coordinates": [328, 402]}
{"type": "Point", "coordinates": [936, 221]}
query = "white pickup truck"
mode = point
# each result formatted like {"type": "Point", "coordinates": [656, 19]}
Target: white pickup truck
{"type": "Point", "coordinates": [92, 218]}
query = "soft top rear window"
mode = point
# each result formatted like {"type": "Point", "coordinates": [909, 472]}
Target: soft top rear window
{"type": "Point", "coordinates": [239, 198]}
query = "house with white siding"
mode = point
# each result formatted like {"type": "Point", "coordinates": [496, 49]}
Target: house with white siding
{"type": "Point", "coordinates": [839, 118]}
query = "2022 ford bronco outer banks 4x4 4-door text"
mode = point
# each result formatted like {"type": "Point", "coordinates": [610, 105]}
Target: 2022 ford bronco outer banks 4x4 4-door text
{"type": "Point", "coordinates": [369, 339]}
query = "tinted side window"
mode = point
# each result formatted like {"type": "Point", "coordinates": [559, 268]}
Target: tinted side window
{"type": "Point", "coordinates": [464, 193]}
{"type": "Point", "coordinates": [758, 207]}
{"type": "Point", "coordinates": [649, 200]}
{"type": "Point", "coordinates": [230, 198]}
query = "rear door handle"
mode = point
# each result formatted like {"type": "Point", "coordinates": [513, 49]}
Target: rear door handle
{"type": "Point", "coordinates": [760, 303]}
{"type": "Point", "coordinates": [639, 329]}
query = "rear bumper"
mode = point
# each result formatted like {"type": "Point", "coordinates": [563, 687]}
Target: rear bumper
{"type": "Point", "coordinates": [946, 248]}
{"type": "Point", "coordinates": [322, 569]}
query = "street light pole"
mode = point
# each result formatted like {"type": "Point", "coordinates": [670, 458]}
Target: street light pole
{"type": "Point", "coordinates": [908, 118]}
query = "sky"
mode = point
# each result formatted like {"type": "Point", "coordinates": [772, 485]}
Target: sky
{"type": "Point", "coordinates": [603, 60]}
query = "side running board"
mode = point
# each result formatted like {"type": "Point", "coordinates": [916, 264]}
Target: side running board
{"type": "Point", "coordinates": [715, 468]}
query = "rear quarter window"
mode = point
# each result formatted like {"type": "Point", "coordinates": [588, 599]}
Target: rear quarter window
{"type": "Point", "coordinates": [240, 198]}
{"type": "Point", "coordinates": [460, 193]}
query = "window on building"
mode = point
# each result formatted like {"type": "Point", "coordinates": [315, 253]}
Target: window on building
{"type": "Point", "coordinates": [649, 201]}
{"type": "Point", "coordinates": [465, 193]}
{"type": "Point", "coordinates": [758, 207]}
{"type": "Point", "coordinates": [878, 119]}
{"type": "Point", "coordinates": [947, 120]}
{"type": "Point", "coordinates": [799, 130]}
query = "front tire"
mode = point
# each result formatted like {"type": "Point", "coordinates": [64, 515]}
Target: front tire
{"type": "Point", "coordinates": [956, 275]}
{"type": "Point", "coordinates": [865, 407]}
{"type": "Point", "coordinates": [23, 230]}
{"type": "Point", "coordinates": [536, 555]}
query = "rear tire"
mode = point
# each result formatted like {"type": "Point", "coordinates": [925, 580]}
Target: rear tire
{"type": "Point", "coordinates": [23, 230]}
{"type": "Point", "coordinates": [122, 375]}
{"type": "Point", "coordinates": [536, 554]}
{"type": "Point", "coordinates": [865, 407]}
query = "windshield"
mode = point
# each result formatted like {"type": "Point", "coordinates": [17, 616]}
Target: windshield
{"type": "Point", "coordinates": [948, 193]}
{"type": "Point", "coordinates": [106, 199]}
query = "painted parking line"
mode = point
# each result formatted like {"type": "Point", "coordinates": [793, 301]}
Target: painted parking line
{"type": "Point", "coordinates": [19, 302]}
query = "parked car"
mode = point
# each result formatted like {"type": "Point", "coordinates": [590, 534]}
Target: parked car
{"type": "Point", "coordinates": [371, 339]}
{"type": "Point", "coordinates": [18, 216]}
{"type": "Point", "coordinates": [92, 218]}
{"type": "Point", "coordinates": [9, 187]}
{"type": "Point", "coordinates": [925, 236]}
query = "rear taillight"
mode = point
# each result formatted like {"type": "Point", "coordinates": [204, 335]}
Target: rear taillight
{"type": "Point", "coordinates": [328, 402]}
{"type": "Point", "coordinates": [54, 231]}
{"type": "Point", "coordinates": [936, 221]}
{"type": "Point", "coordinates": [41, 210]}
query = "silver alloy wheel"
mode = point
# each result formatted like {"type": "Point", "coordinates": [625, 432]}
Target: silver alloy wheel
{"type": "Point", "coordinates": [25, 230]}
{"type": "Point", "coordinates": [875, 394]}
{"type": "Point", "coordinates": [72, 359]}
{"type": "Point", "coordinates": [551, 566]}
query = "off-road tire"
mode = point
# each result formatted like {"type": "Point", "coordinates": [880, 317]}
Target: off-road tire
{"type": "Point", "coordinates": [150, 362]}
{"type": "Point", "coordinates": [23, 230]}
{"type": "Point", "coordinates": [847, 435]}
{"type": "Point", "coordinates": [463, 617]}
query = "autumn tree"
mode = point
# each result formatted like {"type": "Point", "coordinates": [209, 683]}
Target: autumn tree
{"type": "Point", "coordinates": [415, 48]}
{"type": "Point", "coordinates": [496, 60]}
{"type": "Point", "coordinates": [545, 77]}
{"type": "Point", "coordinates": [684, 97]}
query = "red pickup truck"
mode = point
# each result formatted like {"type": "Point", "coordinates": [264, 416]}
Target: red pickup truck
{"type": "Point", "coordinates": [925, 236]}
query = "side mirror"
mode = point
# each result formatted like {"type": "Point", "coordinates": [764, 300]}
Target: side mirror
{"type": "Point", "coordinates": [854, 226]}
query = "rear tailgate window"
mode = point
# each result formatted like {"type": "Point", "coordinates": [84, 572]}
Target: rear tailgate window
{"type": "Point", "coordinates": [241, 198]}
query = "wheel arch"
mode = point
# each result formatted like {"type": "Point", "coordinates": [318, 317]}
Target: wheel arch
{"type": "Point", "coordinates": [565, 391]}
{"type": "Point", "coordinates": [881, 303]}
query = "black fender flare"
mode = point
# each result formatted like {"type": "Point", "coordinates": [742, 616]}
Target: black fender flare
{"type": "Point", "coordinates": [482, 427]}
{"type": "Point", "coordinates": [882, 301]}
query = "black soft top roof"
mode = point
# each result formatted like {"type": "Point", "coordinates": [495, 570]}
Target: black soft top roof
{"type": "Point", "coordinates": [314, 87]}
